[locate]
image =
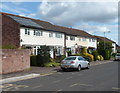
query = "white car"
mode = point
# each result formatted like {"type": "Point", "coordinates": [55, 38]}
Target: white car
{"type": "Point", "coordinates": [74, 62]}
{"type": "Point", "coordinates": [117, 57]}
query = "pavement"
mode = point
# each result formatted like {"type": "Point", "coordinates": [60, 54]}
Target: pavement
{"type": "Point", "coordinates": [37, 71]}
{"type": "Point", "coordinates": [103, 77]}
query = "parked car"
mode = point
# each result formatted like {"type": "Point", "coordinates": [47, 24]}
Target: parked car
{"type": "Point", "coordinates": [74, 62]}
{"type": "Point", "coordinates": [117, 57]}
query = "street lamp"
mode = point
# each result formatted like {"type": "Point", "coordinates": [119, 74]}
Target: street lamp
{"type": "Point", "coordinates": [104, 38]}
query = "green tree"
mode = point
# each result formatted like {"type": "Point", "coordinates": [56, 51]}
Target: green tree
{"type": "Point", "coordinates": [106, 53]}
{"type": "Point", "coordinates": [43, 55]}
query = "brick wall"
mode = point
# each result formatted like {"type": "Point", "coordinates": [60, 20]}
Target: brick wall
{"type": "Point", "coordinates": [14, 60]}
{"type": "Point", "coordinates": [10, 31]}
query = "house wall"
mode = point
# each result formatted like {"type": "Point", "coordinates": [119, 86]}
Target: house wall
{"type": "Point", "coordinates": [10, 32]}
{"type": "Point", "coordinates": [114, 49]}
{"type": "Point", "coordinates": [14, 60]}
{"type": "Point", "coordinates": [92, 44]}
{"type": "Point", "coordinates": [40, 40]}
{"type": "Point", "coordinates": [82, 43]}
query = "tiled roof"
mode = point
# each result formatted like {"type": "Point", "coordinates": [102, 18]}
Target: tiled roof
{"type": "Point", "coordinates": [100, 38]}
{"type": "Point", "coordinates": [48, 26]}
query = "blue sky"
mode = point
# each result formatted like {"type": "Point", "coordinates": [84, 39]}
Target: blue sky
{"type": "Point", "coordinates": [93, 17]}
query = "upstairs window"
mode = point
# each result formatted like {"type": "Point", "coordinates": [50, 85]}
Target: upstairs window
{"type": "Point", "coordinates": [72, 38]}
{"type": "Point", "coordinates": [50, 34]}
{"type": "Point", "coordinates": [58, 35]}
{"type": "Point", "coordinates": [38, 33]}
{"type": "Point", "coordinates": [93, 40]}
{"type": "Point", "coordinates": [27, 31]}
{"type": "Point", "coordinates": [90, 39]}
{"type": "Point", "coordinates": [79, 39]}
{"type": "Point", "coordinates": [84, 39]}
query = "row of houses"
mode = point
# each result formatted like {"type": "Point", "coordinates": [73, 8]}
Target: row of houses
{"type": "Point", "coordinates": [33, 33]}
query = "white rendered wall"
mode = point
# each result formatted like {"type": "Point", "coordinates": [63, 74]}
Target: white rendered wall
{"type": "Point", "coordinates": [40, 40]}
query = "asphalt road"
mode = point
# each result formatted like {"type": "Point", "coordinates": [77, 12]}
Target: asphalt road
{"type": "Point", "coordinates": [103, 77]}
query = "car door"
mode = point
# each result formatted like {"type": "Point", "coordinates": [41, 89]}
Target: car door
{"type": "Point", "coordinates": [81, 60]}
{"type": "Point", "coordinates": [85, 62]}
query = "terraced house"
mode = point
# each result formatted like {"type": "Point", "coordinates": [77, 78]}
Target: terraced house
{"type": "Point", "coordinates": [33, 33]}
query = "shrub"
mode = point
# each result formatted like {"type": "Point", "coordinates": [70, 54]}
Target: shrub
{"type": "Point", "coordinates": [98, 57]}
{"type": "Point", "coordinates": [89, 55]}
{"type": "Point", "coordinates": [76, 55]}
{"type": "Point", "coordinates": [51, 64]}
{"type": "Point", "coordinates": [69, 53]}
{"type": "Point", "coordinates": [95, 54]}
{"type": "Point", "coordinates": [33, 60]}
{"type": "Point", "coordinates": [84, 50]}
{"type": "Point", "coordinates": [8, 47]}
{"type": "Point", "coordinates": [101, 57]}
{"type": "Point", "coordinates": [88, 58]}
{"type": "Point", "coordinates": [43, 55]}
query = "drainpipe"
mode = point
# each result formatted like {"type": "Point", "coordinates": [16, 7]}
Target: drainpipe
{"type": "Point", "coordinates": [65, 44]}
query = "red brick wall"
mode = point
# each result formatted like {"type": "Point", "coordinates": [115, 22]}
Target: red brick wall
{"type": "Point", "coordinates": [10, 31]}
{"type": "Point", "coordinates": [14, 60]}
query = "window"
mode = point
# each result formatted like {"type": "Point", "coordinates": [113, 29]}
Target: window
{"type": "Point", "coordinates": [81, 58]}
{"type": "Point", "coordinates": [50, 34]}
{"type": "Point", "coordinates": [72, 38]}
{"type": "Point", "coordinates": [27, 31]}
{"type": "Point", "coordinates": [89, 39]}
{"type": "Point", "coordinates": [38, 33]}
{"type": "Point", "coordinates": [58, 35]}
{"type": "Point", "coordinates": [79, 39]}
{"type": "Point", "coordinates": [83, 39]}
{"type": "Point", "coordinates": [93, 40]}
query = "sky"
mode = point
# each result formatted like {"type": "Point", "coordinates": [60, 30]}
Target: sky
{"type": "Point", "coordinates": [93, 17]}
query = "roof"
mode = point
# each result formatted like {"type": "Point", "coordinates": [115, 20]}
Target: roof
{"type": "Point", "coordinates": [100, 38]}
{"type": "Point", "coordinates": [68, 31]}
{"type": "Point", "coordinates": [25, 22]}
{"type": "Point", "coordinates": [30, 22]}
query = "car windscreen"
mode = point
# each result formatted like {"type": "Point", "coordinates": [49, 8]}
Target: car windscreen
{"type": "Point", "coordinates": [70, 58]}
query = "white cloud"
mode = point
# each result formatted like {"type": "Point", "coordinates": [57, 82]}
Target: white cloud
{"type": "Point", "coordinates": [64, 13]}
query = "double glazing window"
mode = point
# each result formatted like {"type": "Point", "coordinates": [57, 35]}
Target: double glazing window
{"type": "Point", "coordinates": [27, 31]}
{"type": "Point", "coordinates": [38, 33]}
{"type": "Point", "coordinates": [58, 35]}
{"type": "Point", "coordinates": [72, 38]}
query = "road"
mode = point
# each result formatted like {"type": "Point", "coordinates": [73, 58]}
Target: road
{"type": "Point", "coordinates": [103, 77]}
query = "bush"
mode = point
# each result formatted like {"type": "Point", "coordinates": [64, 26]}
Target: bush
{"type": "Point", "coordinates": [33, 60]}
{"type": "Point", "coordinates": [98, 57]}
{"type": "Point", "coordinates": [84, 50]}
{"type": "Point", "coordinates": [95, 54]}
{"type": "Point", "coordinates": [101, 57]}
{"type": "Point", "coordinates": [69, 53]}
{"type": "Point", "coordinates": [76, 55]}
{"type": "Point", "coordinates": [8, 47]}
{"type": "Point", "coordinates": [88, 58]}
{"type": "Point", "coordinates": [51, 64]}
{"type": "Point", "coordinates": [89, 55]}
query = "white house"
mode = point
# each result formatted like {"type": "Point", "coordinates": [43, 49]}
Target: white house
{"type": "Point", "coordinates": [34, 33]}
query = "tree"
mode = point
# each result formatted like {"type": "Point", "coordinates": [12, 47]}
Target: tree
{"type": "Point", "coordinates": [43, 55]}
{"type": "Point", "coordinates": [106, 53]}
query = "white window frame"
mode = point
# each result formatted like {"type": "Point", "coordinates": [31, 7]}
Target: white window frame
{"type": "Point", "coordinates": [58, 35]}
{"type": "Point", "coordinates": [27, 31]}
{"type": "Point", "coordinates": [72, 38]}
{"type": "Point", "coordinates": [50, 34]}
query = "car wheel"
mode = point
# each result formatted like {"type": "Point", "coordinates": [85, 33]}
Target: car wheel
{"type": "Point", "coordinates": [79, 68]}
{"type": "Point", "coordinates": [88, 66]}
